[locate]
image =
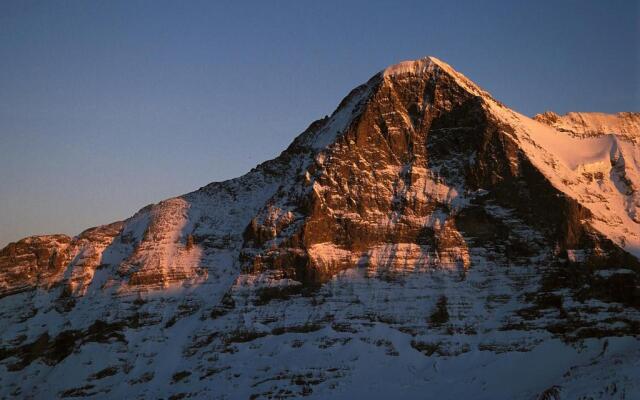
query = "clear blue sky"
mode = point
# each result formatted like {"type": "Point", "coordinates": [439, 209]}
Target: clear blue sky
{"type": "Point", "coordinates": [108, 106]}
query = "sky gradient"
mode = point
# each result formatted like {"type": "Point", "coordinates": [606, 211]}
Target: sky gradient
{"type": "Point", "coordinates": [108, 106]}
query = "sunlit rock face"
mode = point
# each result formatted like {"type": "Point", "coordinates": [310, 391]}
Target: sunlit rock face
{"type": "Point", "coordinates": [32, 261]}
{"type": "Point", "coordinates": [420, 167]}
{"type": "Point", "coordinates": [424, 238]}
{"type": "Point", "coordinates": [52, 260]}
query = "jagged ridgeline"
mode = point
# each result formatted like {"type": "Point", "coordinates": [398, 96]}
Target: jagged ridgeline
{"type": "Point", "coordinates": [422, 222]}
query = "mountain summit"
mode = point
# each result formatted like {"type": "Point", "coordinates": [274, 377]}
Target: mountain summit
{"type": "Point", "coordinates": [424, 234]}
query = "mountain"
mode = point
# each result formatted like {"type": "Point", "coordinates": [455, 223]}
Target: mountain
{"type": "Point", "coordinates": [422, 241]}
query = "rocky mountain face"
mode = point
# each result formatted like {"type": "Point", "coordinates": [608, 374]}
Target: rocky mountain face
{"type": "Point", "coordinates": [424, 238]}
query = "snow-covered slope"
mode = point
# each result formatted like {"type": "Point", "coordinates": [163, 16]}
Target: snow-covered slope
{"type": "Point", "coordinates": [422, 241]}
{"type": "Point", "coordinates": [585, 124]}
{"type": "Point", "coordinates": [595, 161]}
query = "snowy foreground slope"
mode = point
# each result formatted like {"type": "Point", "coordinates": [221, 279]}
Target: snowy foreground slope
{"type": "Point", "coordinates": [424, 241]}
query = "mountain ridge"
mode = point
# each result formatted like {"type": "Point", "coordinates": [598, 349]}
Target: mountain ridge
{"type": "Point", "coordinates": [423, 218]}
